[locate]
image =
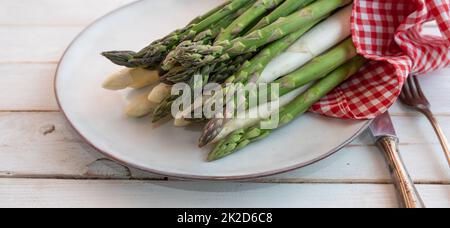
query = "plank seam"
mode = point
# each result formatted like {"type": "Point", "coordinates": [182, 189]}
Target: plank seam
{"type": "Point", "coordinates": [261, 181]}
{"type": "Point", "coordinates": [49, 62]}
{"type": "Point", "coordinates": [44, 25]}
{"type": "Point", "coordinates": [31, 111]}
{"type": "Point", "coordinates": [408, 114]}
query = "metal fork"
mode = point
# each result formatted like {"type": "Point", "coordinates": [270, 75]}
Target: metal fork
{"type": "Point", "coordinates": [413, 96]}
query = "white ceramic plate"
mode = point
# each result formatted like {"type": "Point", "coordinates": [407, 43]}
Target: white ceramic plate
{"type": "Point", "coordinates": [98, 116]}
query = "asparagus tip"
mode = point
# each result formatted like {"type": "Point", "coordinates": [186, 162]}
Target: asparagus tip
{"type": "Point", "coordinates": [118, 80]}
{"type": "Point", "coordinates": [211, 157]}
{"type": "Point", "coordinates": [121, 58]}
{"type": "Point", "coordinates": [181, 122]}
{"type": "Point", "coordinates": [202, 144]}
{"type": "Point", "coordinates": [159, 93]}
{"type": "Point", "coordinates": [211, 131]}
{"type": "Point", "coordinates": [156, 119]}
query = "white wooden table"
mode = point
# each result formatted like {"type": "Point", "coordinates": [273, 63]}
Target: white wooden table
{"type": "Point", "coordinates": [44, 163]}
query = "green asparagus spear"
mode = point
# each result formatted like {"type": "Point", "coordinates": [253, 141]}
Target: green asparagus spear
{"type": "Point", "coordinates": [314, 70]}
{"type": "Point", "coordinates": [164, 109]}
{"type": "Point", "coordinates": [243, 137]}
{"type": "Point", "coordinates": [152, 55]}
{"type": "Point", "coordinates": [196, 55]}
{"type": "Point", "coordinates": [205, 37]}
{"type": "Point", "coordinates": [223, 70]}
{"type": "Point", "coordinates": [252, 68]}
{"type": "Point", "coordinates": [208, 14]}
{"type": "Point", "coordinates": [318, 67]}
{"type": "Point", "coordinates": [285, 9]}
{"type": "Point", "coordinates": [251, 71]}
{"type": "Point", "coordinates": [246, 19]}
{"type": "Point", "coordinates": [257, 65]}
{"type": "Point", "coordinates": [213, 73]}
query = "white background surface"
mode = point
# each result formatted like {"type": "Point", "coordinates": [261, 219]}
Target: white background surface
{"type": "Point", "coordinates": [40, 167]}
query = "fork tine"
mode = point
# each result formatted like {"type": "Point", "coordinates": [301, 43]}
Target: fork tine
{"type": "Point", "coordinates": [402, 95]}
{"type": "Point", "coordinates": [418, 87]}
{"type": "Point", "coordinates": [412, 87]}
{"type": "Point", "coordinates": [406, 90]}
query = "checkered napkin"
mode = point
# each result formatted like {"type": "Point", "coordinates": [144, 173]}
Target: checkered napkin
{"type": "Point", "coordinates": [388, 32]}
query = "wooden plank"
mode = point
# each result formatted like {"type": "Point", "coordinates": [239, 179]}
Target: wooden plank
{"type": "Point", "coordinates": [412, 129]}
{"type": "Point", "coordinates": [35, 43]}
{"type": "Point", "coordinates": [76, 193]}
{"type": "Point", "coordinates": [44, 43]}
{"type": "Point", "coordinates": [61, 12]}
{"type": "Point", "coordinates": [27, 87]}
{"type": "Point", "coordinates": [46, 138]}
{"type": "Point", "coordinates": [435, 86]}
{"type": "Point", "coordinates": [28, 142]}
{"type": "Point", "coordinates": [55, 12]}
{"type": "Point", "coordinates": [366, 164]}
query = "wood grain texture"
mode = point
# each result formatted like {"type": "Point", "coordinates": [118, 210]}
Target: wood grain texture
{"type": "Point", "coordinates": [47, 43]}
{"type": "Point", "coordinates": [55, 12]}
{"type": "Point", "coordinates": [34, 44]}
{"type": "Point", "coordinates": [122, 193]}
{"type": "Point", "coordinates": [39, 31]}
{"type": "Point", "coordinates": [27, 87]}
{"type": "Point", "coordinates": [26, 144]}
{"type": "Point", "coordinates": [435, 85]}
{"type": "Point", "coordinates": [40, 155]}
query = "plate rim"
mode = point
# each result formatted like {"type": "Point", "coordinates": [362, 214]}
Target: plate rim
{"type": "Point", "coordinates": [171, 174]}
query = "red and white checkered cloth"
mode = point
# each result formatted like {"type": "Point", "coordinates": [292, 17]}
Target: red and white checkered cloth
{"type": "Point", "coordinates": [388, 32]}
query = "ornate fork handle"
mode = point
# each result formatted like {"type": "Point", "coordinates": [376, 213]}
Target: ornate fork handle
{"type": "Point", "coordinates": [440, 133]}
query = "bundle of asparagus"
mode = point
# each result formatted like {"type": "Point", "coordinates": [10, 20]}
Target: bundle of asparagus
{"type": "Point", "coordinates": [303, 46]}
{"type": "Point", "coordinates": [275, 61]}
{"type": "Point", "coordinates": [154, 53]}
{"type": "Point", "coordinates": [219, 128]}
{"type": "Point", "coordinates": [198, 55]}
{"type": "Point", "coordinates": [242, 137]}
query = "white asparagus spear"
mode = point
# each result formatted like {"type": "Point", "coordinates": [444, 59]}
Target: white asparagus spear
{"type": "Point", "coordinates": [140, 106]}
{"type": "Point", "coordinates": [181, 122]}
{"type": "Point", "coordinates": [131, 78]}
{"type": "Point", "coordinates": [159, 93]}
{"type": "Point", "coordinates": [143, 78]}
{"type": "Point", "coordinates": [322, 37]}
